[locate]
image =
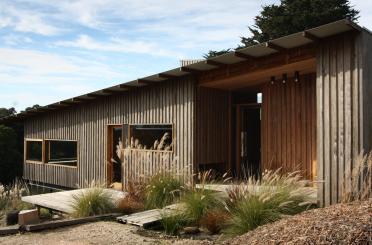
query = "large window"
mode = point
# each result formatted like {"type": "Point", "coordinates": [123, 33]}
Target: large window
{"type": "Point", "coordinates": [61, 152]}
{"type": "Point", "coordinates": [151, 137]}
{"type": "Point", "coordinates": [34, 150]}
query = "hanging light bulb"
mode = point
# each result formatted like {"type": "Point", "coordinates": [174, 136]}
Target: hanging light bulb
{"type": "Point", "coordinates": [285, 77]}
{"type": "Point", "coordinates": [297, 76]}
{"type": "Point", "coordinates": [272, 80]}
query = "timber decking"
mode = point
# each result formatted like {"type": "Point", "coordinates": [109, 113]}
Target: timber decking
{"type": "Point", "coordinates": [149, 217]}
{"type": "Point", "coordinates": [62, 201]}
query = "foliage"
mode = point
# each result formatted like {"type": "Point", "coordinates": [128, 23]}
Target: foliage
{"type": "Point", "coordinates": [292, 16]}
{"type": "Point", "coordinates": [4, 112]}
{"type": "Point", "coordinates": [134, 200]}
{"type": "Point", "coordinates": [357, 184]}
{"type": "Point", "coordinates": [198, 201]}
{"type": "Point", "coordinates": [215, 220]}
{"type": "Point", "coordinates": [173, 223]}
{"type": "Point", "coordinates": [213, 53]}
{"type": "Point", "coordinates": [258, 202]}
{"type": "Point", "coordinates": [92, 201]}
{"type": "Point", "coordinates": [10, 157]}
{"type": "Point", "coordinates": [162, 189]}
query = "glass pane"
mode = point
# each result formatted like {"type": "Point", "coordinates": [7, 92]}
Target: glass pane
{"type": "Point", "coordinates": [62, 150]}
{"type": "Point", "coordinates": [153, 137]}
{"type": "Point", "coordinates": [34, 151]}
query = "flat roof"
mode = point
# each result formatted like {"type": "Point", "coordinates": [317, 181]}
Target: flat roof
{"type": "Point", "coordinates": [249, 53]}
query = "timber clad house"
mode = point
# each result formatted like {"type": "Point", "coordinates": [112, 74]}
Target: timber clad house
{"type": "Point", "coordinates": [299, 102]}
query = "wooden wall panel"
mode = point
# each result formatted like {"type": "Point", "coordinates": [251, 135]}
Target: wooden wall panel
{"type": "Point", "coordinates": [212, 127]}
{"type": "Point", "coordinates": [169, 102]}
{"type": "Point", "coordinates": [343, 94]}
{"type": "Point", "coordinates": [288, 125]}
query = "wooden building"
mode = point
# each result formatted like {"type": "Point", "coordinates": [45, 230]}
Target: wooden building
{"type": "Point", "coordinates": [299, 102]}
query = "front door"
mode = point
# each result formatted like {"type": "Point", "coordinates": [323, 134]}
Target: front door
{"type": "Point", "coordinates": [114, 173]}
{"type": "Point", "coordinates": [248, 140]}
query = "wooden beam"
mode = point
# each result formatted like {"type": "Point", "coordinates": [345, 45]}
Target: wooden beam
{"type": "Point", "coordinates": [216, 63]}
{"type": "Point", "coordinates": [124, 86]}
{"type": "Point", "coordinates": [243, 55]}
{"type": "Point", "coordinates": [145, 81]}
{"type": "Point", "coordinates": [189, 70]}
{"type": "Point", "coordinates": [275, 47]}
{"type": "Point", "coordinates": [310, 36]}
{"type": "Point", "coordinates": [94, 95]}
{"type": "Point", "coordinates": [167, 76]}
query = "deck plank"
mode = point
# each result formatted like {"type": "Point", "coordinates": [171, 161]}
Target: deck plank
{"type": "Point", "coordinates": [62, 201]}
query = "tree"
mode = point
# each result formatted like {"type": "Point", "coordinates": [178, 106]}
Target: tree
{"type": "Point", "coordinates": [32, 107]}
{"type": "Point", "coordinates": [10, 157]}
{"type": "Point", "coordinates": [212, 53]}
{"type": "Point", "coordinates": [4, 112]}
{"type": "Point", "coordinates": [292, 16]}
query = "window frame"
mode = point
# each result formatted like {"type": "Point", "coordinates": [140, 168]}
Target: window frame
{"type": "Point", "coordinates": [59, 163]}
{"type": "Point", "coordinates": [25, 150]}
{"type": "Point", "coordinates": [150, 124]}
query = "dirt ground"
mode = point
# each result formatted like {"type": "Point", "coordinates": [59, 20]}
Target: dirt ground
{"type": "Point", "coordinates": [103, 232]}
{"type": "Point", "coordinates": [339, 224]}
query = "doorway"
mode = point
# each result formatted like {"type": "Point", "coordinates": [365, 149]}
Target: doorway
{"type": "Point", "coordinates": [248, 136]}
{"type": "Point", "coordinates": [114, 171]}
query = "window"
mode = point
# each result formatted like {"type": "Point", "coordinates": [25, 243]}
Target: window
{"type": "Point", "coordinates": [34, 150]}
{"type": "Point", "coordinates": [151, 136]}
{"type": "Point", "coordinates": [61, 152]}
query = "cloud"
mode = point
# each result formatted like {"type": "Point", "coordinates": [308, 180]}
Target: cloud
{"type": "Point", "coordinates": [117, 45]}
{"type": "Point", "coordinates": [13, 40]}
{"type": "Point", "coordinates": [25, 20]}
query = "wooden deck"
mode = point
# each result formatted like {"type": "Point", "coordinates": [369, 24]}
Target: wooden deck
{"type": "Point", "coordinates": [62, 201]}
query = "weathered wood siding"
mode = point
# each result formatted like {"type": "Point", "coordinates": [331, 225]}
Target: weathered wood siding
{"type": "Point", "coordinates": [212, 128]}
{"type": "Point", "coordinates": [343, 110]}
{"type": "Point", "coordinates": [169, 102]}
{"type": "Point", "coordinates": [289, 126]}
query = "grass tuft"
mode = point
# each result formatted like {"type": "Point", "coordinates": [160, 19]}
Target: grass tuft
{"type": "Point", "coordinates": [173, 223]}
{"type": "Point", "coordinates": [258, 202]}
{"type": "Point", "coordinates": [134, 200]}
{"type": "Point", "coordinates": [93, 201]}
{"type": "Point", "coordinates": [162, 189]}
{"type": "Point", "coordinates": [215, 220]}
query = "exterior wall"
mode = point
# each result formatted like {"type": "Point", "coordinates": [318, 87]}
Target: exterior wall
{"type": "Point", "coordinates": [289, 126]}
{"type": "Point", "coordinates": [212, 128]}
{"type": "Point", "coordinates": [343, 114]}
{"type": "Point", "coordinates": [171, 102]}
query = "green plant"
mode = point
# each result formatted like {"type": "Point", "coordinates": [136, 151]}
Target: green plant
{"type": "Point", "coordinates": [215, 220]}
{"type": "Point", "coordinates": [162, 189]}
{"type": "Point", "coordinates": [92, 201]}
{"type": "Point", "coordinates": [197, 202]}
{"type": "Point", "coordinates": [173, 223]}
{"type": "Point", "coordinates": [258, 202]}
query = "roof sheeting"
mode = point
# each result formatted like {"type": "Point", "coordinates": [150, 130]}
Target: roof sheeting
{"type": "Point", "coordinates": [255, 51]}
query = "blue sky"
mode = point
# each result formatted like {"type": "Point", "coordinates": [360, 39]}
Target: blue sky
{"type": "Point", "coordinates": [54, 50]}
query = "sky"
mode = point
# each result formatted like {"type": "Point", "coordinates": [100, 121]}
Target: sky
{"type": "Point", "coordinates": [54, 50]}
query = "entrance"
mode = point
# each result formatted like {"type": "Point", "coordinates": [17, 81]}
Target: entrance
{"type": "Point", "coordinates": [114, 173]}
{"type": "Point", "coordinates": [249, 140]}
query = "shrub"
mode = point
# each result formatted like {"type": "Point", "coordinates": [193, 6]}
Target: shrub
{"type": "Point", "coordinates": [197, 202]}
{"type": "Point", "coordinates": [215, 220]}
{"type": "Point", "coordinates": [266, 200]}
{"type": "Point", "coordinates": [162, 189]}
{"type": "Point", "coordinates": [134, 200]}
{"type": "Point", "coordinates": [93, 201]}
{"type": "Point", "coordinates": [173, 223]}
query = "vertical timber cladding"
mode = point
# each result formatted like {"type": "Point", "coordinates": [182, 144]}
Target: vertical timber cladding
{"type": "Point", "coordinates": [343, 111]}
{"type": "Point", "coordinates": [212, 128]}
{"type": "Point", "coordinates": [289, 126]}
{"type": "Point", "coordinates": [167, 102]}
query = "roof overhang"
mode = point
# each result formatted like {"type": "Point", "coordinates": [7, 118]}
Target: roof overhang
{"type": "Point", "coordinates": [250, 53]}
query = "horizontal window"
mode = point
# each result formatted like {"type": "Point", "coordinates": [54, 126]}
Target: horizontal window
{"type": "Point", "coordinates": [61, 152]}
{"type": "Point", "coordinates": [151, 136]}
{"type": "Point", "coordinates": [34, 150]}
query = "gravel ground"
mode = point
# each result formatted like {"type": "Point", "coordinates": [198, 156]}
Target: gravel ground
{"type": "Point", "coordinates": [103, 232]}
{"type": "Point", "coordinates": [338, 224]}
